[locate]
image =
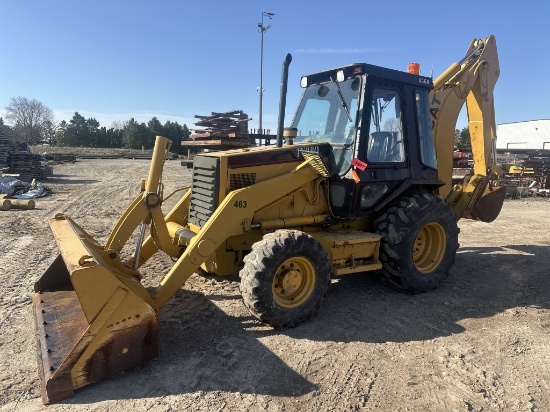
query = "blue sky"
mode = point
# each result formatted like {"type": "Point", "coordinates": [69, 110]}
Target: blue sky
{"type": "Point", "coordinates": [113, 60]}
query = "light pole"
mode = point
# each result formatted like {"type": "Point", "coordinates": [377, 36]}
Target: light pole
{"type": "Point", "coordinates": [262, 30]}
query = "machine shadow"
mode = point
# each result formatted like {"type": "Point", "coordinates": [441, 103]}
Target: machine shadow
{"type": "Point", "coordinates": [204, 349]}
{"type": "Point", "coordinates": [201, 349]}
{"type": "Point", "coordinates": [483, 282]}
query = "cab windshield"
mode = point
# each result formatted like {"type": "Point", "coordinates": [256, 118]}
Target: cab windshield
{"type": "Point", "coordinates": [327, 112]}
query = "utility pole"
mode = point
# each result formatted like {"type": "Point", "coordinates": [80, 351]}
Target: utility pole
{"type": "Point", "coordinates": [262, 30]}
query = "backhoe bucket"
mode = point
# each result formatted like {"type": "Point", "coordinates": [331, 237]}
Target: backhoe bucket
{"type": "Point", "coordinates": [489, 204]}
{"type": "Point", "coordinates": [92, 321]}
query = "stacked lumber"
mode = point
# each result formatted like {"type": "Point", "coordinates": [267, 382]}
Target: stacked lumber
{"type": "Point", "coordinates": [60, 157]}
{"type": "Point", "coordinates": [6, 147]}
{"type": "Point", "coordinates": [220, 130]}
{"type": "Point", "coordinates": [228, 125]}
{"type": "Point", "coordinates": [29, 166]}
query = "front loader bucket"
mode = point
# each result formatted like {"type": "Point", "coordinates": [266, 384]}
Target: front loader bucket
{"type": "Point", "coordinates": [91, 320]}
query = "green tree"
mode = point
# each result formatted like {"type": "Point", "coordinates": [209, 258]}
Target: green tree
{"type": "Point", "coordinates": [76, 133]}
{"type": "Point", "coordinates": [80, 132]}
{"type": "Point", "coordinates": [50, 130]}
{"type": "Point", "coordinates": [115, 137]}
{"type": "Point", "coordinates": [187, 136]}
{"type": "Point", "coordinates": [137, 135]}
{"type": "Point", "coordinates": [60, 133]}
{"type": "Point", "coordinates": [115, 133]}
{"type": "Point", "coordinates": [109, 137]}
{"type": "Point", "coordinates": [176, 133]}
{"type": "Point", "coordinates": [92, 136]}
{"type": "Point", "coordinates": [155, 127]}
{"type": "Point", "coordinates": [463, 141]}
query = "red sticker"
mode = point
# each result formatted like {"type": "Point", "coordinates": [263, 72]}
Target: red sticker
{"type": "Point", "coordinates": [359, 164]}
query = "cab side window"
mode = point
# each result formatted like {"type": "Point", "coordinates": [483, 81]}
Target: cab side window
{"type": "Point", "coordinates": [386, 143]}
{"type": "Point", "coordinates": [425, 134]}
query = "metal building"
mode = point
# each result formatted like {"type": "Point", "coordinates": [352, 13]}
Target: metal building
{"type": "Point", "coordinates": [532, 134]}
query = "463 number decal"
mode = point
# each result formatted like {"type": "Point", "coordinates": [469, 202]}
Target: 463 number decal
{"type": "Point", "coordinates": [241, 204]}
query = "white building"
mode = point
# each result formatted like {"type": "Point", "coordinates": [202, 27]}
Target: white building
{"type": "Point", "coordinates": [532, 134]}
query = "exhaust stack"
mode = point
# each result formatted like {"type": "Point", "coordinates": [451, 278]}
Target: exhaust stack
{"type": "Point", "coordinates": [282, 101]}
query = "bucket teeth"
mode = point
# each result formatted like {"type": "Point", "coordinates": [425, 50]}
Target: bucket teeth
{"type": "Point", "coordinates": [60, 323]}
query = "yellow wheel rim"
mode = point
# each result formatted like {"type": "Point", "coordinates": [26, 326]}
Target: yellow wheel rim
{"type": "Point", "coordinates": [429, 247]}
{"type": "Point", "coordinates": [293, 282]}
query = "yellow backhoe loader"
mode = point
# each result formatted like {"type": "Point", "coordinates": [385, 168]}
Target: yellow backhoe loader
{"type": "Point", "coordinates": [363, 182]}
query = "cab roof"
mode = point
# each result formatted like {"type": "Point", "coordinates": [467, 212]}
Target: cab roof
{"type": "Point", "coordinates": [355, 69]}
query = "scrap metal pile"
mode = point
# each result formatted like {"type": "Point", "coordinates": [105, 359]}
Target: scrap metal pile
{"type": "Point", "coordinates": [220, 131]}
{"type": "Point", "coordinates": [527, 172]}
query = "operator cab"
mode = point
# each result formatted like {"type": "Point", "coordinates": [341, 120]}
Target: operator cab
{"type": "Point", "coordinates": [378, 124]}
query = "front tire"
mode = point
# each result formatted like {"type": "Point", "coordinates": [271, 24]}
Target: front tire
{"type": "Point", "coordinates": [419, 242]}
{"type": "Point", "coordinates": [285, 278]}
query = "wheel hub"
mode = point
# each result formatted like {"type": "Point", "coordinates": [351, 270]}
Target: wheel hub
{"type": "Point", "coordinates": [293, 282]}
{"type": "Point", "coordinates": [429, 247]}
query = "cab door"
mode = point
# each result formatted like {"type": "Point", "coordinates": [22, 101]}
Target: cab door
{"type": "Point", "coordinates": [382, 152]}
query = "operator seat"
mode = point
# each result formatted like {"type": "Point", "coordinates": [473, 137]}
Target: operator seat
{"type": "Point", "coordinates": [385, 147]}
{"type": "Point", "coordinates": [380, 146]}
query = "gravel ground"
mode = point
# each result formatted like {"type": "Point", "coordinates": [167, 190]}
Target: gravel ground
{"type": "Point", "coordinates": [478, 343]}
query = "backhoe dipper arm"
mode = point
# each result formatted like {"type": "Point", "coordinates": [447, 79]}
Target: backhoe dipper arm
{"type": "Point", "coordinates": [471, 81]}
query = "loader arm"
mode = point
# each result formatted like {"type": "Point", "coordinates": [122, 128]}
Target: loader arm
{"type": "Point", "coordinates": [233, 217]}
{"type": "Point", "coordinates": [146, 208]}
{"type": "Point", "coordinates": [93, 316]}
{"type": "Point", "coordinates": [471, 81]}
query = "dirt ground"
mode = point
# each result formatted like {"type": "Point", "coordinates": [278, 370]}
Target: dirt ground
{"type": "Point", "coordinates": [481, 342]}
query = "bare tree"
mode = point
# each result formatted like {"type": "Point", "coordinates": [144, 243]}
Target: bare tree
{"type": "Point", "coordinates": [390, 125]}
{"type": "Point", "coordinates": [119, 124]}
{"type": "Point", "coordinates": [29, 118]}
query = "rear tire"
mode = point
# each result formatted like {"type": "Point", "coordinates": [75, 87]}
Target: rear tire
{"type": "Point", "coordinates": [419, 242]}
{"type": "Point", "coordinates": [285, 278]}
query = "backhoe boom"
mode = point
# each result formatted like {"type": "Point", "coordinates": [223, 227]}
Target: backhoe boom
{"type": "Point", "coordinates": [471, 81]}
